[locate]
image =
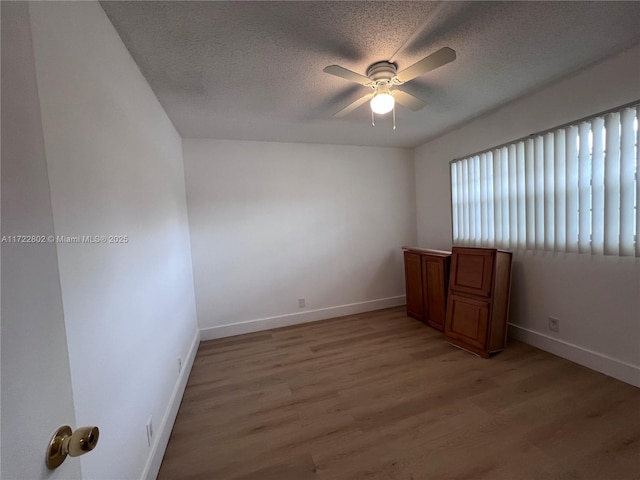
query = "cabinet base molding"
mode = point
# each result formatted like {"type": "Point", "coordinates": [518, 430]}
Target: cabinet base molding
{"type": "Point", "coordinates": [474, 351]}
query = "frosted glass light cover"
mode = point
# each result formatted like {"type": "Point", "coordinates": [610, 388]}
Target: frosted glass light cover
{"type": "Point", "coordinates": [382, 103]}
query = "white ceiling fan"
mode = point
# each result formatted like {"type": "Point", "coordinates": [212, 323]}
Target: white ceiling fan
{"type": "Point", "coordinates": [383, 78]}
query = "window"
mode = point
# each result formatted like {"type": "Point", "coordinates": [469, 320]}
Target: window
{"type": "Point", "coordinates": [571, 189]}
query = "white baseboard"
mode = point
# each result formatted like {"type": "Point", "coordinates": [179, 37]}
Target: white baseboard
{"type": "Point", "coordinates": [158, 449]}
{"type": "Point", "coordinates": [260, 324]}
{"type": "Point", "coordinates": [596, 361]}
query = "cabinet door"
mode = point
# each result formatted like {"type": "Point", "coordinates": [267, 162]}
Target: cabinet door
{"type": "Point", "coordinates": [413, 284]}
{"type": "Point", "coordinates": [434, 290]}
{"type": "Point", "coordinates": [467, 321]}
{"type": "Point", "coordinates": [472, 270]}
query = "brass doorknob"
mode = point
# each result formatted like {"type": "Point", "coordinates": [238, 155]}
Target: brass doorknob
{"type": "Point", "coordinates": [65, 442]}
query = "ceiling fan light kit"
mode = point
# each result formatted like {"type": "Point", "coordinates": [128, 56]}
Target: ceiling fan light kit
{"type": "Point", "coordinates": [384, 79]}
{"type": "Point", "coordinates": [382, 76]}
{"type": "Point", "coordinates": [382, 102]}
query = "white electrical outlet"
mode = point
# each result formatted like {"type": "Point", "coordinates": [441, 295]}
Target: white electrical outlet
{"type": "Point", "coordinates": [149, 430]}
{"type": "Point", "coordinates": [554, 324]}
{"type": "Point", "coordinates": [179, 365]}
{"type": "Point", "coordinates": [301, 303]}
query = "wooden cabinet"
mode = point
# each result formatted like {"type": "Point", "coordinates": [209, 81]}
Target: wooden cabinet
{"type": "Point", "coordinates": [478, 303]}
{"type": "Point", "coordinates": [413, 284]}
{"type": "Point", "coordinates": [426, 279]}
{"type": "Point", "coordinates": [473, 273]}
{"type": "Point", "coordinates": [468, 322]}
{"type": "Point", "coordinates": [435, 278]}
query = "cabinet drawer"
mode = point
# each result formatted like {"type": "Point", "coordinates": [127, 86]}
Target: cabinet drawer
{"type": "Point", "coordinates": [467, 320]}
{"type": "Point", "coordinates": [472, 271]}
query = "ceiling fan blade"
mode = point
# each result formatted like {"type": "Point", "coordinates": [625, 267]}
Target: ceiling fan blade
{"type": "Point", "coordinates": [407, 100]}
{"type": "Point", "coordinates": [351, 107]}
{"type": "Point", "coordinates": [342, 72]}
{"type": "Point", "coordinates": [433, 61]}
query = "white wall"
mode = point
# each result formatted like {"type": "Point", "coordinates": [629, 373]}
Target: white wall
{"type": "Point", "coordinates": [115, 168]}
{"type": "Point", "coordinates": [36, 381]}
{"type": "Point", "coordinates": [597, 299]}
{"type": "Point", "coordinates": [275, 222]}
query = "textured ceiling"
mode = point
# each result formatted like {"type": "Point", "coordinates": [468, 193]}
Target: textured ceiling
{"type": "Point", "coordinates": [253, 70]}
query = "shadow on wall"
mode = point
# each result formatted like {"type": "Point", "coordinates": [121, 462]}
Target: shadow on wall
{"type": "Point", "coordinates": [391, 265]}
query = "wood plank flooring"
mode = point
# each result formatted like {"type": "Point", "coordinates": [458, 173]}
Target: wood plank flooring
{"type": "Point", "coordinates": [382, 396]}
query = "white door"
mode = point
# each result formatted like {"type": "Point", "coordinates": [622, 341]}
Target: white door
{"type": "Point", "coordinates": [36, 381]}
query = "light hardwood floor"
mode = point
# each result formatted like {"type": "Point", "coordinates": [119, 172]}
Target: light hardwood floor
{"type": "Point", "coordinates": [381, 396]}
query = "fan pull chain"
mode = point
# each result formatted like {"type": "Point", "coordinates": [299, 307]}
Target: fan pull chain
{"type": "Point", "coordinates": [373, 118]}
{"type": "Point", "coordinates": [394, 116]}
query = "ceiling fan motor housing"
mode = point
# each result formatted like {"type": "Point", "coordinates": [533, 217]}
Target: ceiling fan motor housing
{"type": "Point", "coordinates": [382, 71]}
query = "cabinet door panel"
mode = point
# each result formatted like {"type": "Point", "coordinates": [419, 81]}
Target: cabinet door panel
{"type": "Point", "coordinates": [413, 281]}
{"type": "Point", "coordinates": [467, 320]}
{"type": "Point", "coordinates": [472, 270]}
{"type": "Point", "coordinates": [434, 290]}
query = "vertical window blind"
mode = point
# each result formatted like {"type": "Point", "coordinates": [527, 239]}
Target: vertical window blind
{"type": "Point", "coordinates": [575, 188]}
